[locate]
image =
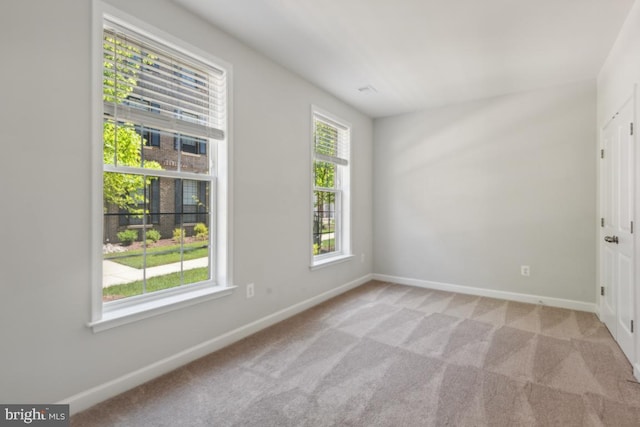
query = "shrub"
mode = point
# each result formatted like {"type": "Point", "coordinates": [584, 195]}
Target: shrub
{"type": "Point", "coordinates": [201, 231]}
{"type": "Point", "coordinates": [178, 235]}
{"type": "Point", "coordinates": [316, 249]}
{"type": "Point", "coordinates": [153, 235]}
{"type": "Point", "coordinates": [127, 237]}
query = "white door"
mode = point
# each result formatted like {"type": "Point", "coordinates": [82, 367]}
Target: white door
{"type": "Point", "coordinates": [616, 234]}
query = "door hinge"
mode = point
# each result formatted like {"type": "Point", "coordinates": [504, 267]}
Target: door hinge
{"type": "Point", "coordinates": [601, 222]}
{"type": "Point", "coordinates": [632, 326]}
{"type": "Point", "coordinates": [602, 290]}
{"type": "Point", "coordinates": [631, 227]}
{"type": "Point", "coordinates": [602, 153]}
{"type": "Point", "coordinates": [631, 128]}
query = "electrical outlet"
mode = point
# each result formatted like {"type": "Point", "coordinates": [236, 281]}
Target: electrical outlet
{"type": "Point", "coordinates": [525, 270]}
{"type": "Point", "coordinates": [250, 290]}
{"type": "Point", "coordinates": [362, 258]}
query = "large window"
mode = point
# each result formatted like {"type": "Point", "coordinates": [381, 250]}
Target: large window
{"type": "Point", "coordinates": [164, 157]}
{"type": "Point", "coordinates": [331, 191]}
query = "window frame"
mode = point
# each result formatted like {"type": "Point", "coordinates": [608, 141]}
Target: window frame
{"type": "Point", "coordinates": [342, 189]}
{"type": "Point", "coordinates": [108, 315]}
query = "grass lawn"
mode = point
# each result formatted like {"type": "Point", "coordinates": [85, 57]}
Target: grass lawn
{"type": "Point", "coordinates": [160, 256]}
{"type": "Point", "coordinates": [329, 228]}
{"type": "Point", "coordinates": [156, 283]}
{"type": "Point", "coordinates": [326, 244]}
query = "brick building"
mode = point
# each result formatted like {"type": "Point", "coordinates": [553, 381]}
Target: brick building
{"type": "Point", "coordinates": [172, 98]}
{"type": "Point", "coordinates": [170, 203]}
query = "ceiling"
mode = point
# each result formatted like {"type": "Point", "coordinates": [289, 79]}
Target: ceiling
{"type": "Point", "coordinates": [425, 53]}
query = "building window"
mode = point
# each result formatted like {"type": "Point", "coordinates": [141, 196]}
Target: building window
{"type": "Point", "coordinates": [186, 143]}
{"type": "Point", "coordinates": [144, 233]}
{"type": "Point", "coordinates": [148, 205]}
{"type": "Point", "coordinates": [150, 137]}
{"type": "Point", "coordinates": [191, 201]}
{"type": "Point", "coordinates": [331, 190]}
{"type": "Point", "coordinates": [190, 144]}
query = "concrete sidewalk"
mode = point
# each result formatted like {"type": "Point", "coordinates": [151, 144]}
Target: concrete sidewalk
{"type": "Point", "coordinates": [118, 274]}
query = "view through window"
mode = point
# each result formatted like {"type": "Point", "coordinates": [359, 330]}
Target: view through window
{"type": "Point", "coordinates": [164, 112]}
{"type": "Point", "coordinates": [331, 187]}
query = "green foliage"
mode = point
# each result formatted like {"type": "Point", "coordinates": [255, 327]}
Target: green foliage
{"type": "Point", "coordinates": [121, 65]}
{"type": "Point", "coordinates": [324, 177]}
{"type": "Point", "coordinates": [120, 70]}
{"type": "Point", "coordinates": [201, 231]}
{"type": "Point", "coordinates": [324, 173]}
{"type": "Point", "coordinates": [122, 145]}
{"type": "Point", "coordinates": [328, 245]}
{"type": "Point", "coordinates": [200, 228]}
{"type": "Point", "coordinates": [178, 235]}
{"type": "Point", "coordinates": [326, 143]}
{"type": "Point", "coordinates": [127, 237]}
{"type": "Point", "coordinates": [152, 235]}
{"type": "Point", "coordinates": [326, 139]}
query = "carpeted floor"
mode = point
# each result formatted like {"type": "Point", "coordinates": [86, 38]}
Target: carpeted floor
{"type": "Point", "coordinates": [392, 355]}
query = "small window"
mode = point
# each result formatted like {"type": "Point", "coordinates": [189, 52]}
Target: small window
{"type": "Point", "coordinates": [150, 137]}
{"type": "Point", "coordinates": [188, 144]}
{"type": "Point", "coordinates": [331, 190]}
{"type": "Point", "coordinates": [191, 201]}
{"type": "Point", "coordinates": [145, 201]}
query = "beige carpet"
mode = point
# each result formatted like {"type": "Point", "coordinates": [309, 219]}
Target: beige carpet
{"type": "Point", "coordinates": [392, 355]}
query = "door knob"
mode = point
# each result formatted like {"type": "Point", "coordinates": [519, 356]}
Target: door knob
{"type": "Point", "coordinates": [611, 239]}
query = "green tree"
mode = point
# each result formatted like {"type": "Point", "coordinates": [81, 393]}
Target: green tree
{"type": "Point", "coordinates": [122, 145]}
{"type": "Point", "coordinates": [120, 69]}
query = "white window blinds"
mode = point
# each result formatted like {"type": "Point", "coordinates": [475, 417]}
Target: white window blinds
{"type": "Point", "coordinates": [152, 85]}
{"type": "Point", "coordinates": [331, 140]}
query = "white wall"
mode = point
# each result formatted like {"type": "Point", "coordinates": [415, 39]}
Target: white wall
{"type": "Point", "coordinates": [47, 353]}
{"type": "Point", "coordinates": [621, 70]}
{"type": "Point", "coordinates": [618, 76]}
{"type": "Point", "coordinates": [466, 194]}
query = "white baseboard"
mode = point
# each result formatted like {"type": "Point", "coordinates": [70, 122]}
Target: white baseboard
{"type": "Point", "coordinates": [88, 398]}
{"type": "Point", "coordinates": [596, 310]}
{"type": "Point", "coordinates": [492, 293]}
{"type": "Point", "coordinates": [636, 371]}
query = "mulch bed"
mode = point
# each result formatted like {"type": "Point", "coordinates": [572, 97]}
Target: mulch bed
{"type": "Point", "coordinates": [159, 243]}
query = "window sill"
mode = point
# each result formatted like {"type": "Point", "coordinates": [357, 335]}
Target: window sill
{"type": "Point", "coordinates": [330, 261]}
{"type": "Point", "coordinates": [186, 153]}
{"type": "Point", "coordinates": [133, 313]}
